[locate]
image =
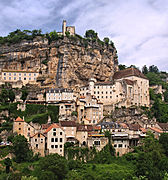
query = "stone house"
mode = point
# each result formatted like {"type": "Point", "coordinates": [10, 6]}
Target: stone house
{"type": "Point", "coordinates": [65, 28]}
{"type": "Point", "coordinates": [70, 128]}
{"type": "Point", "coordinates": [89, 109]}
{"type": "Point", "coordinates": [23, 128]}
{"type": "Point", "coordinates": [97, 140]}
{"type": "Point", "coordinates": [59, 94]}
{"type": "Point", "coordinates": [38, 143]}
{"type": "Point", "coordinates": [129, 87]}
{"type": "Point", "coordinates": [13, 76]}
{"type": "Point", "coordinates": [55, 139]}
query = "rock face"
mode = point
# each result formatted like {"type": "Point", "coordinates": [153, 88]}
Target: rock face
{"type": "Point", "coordinates": [66, 62]}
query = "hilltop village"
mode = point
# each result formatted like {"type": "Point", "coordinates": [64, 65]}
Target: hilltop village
{"type": "Point", "coordinates": [88, 107]}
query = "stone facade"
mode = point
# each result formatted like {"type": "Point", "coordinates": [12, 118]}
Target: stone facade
{"type": "Point", "coordinates": [13, 76]}
{"type": "Point", "coordinates": [129, 87]}
{"type": "Point", "coordinates": [89, 109]}
{"type": "Point", "coordinates": [55, 139]}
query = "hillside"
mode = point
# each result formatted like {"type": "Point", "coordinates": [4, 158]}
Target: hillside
{"type": "Point", "coordinates": [63, 61]}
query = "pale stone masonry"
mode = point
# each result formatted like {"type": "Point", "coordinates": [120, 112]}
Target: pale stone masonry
{"type": "Point", "coordinates": [13, 76]}
{"type": "Point", "coordinates": [89, 109]}
{"type": "Point", "coordinates": [129, 87]}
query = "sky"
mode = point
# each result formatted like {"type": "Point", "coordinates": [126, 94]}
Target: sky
{"type": "Point", "coordinates": [138, 28]}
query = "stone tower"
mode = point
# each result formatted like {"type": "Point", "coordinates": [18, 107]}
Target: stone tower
{"type": "Point", "coordinates": [64, 27]}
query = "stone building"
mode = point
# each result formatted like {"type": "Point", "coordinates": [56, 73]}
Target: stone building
{"type": "Point", "coordinates": [23, 128]}
{"type": "Point", "coordinates": [38, 142]}
{"type": "Point", "coordinates": [129, 87]}
{"type": "Point", "coordinates": [59, 94]}
{"type": "Point", "coordinates": [55, 139]}
{"type": "Point", "coordinates": [65, 28]}
{"type": "Point", "coordinates": [19, 75]}
{"type": "Point", "coordinates": [89, 109]}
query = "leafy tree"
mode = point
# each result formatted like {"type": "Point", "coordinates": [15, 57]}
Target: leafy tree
{"type": "Point", "coordinates": [24, 94]}
{"type": "Point", "coordinates": [28, 178]}
{"type": "Point", "coordinates": [144, 69]}
{"type": "Point", "coordinates": [106, 40]}
{"type": "Point", "coordinates": [11, 95]}
{"type": "Point", "coordinates": [21, 149]}
{"type": "Point", "coordinates": [7, 163]}
{"type": "Point", "coordinates": [163, 139]}
{"type": "Point", "coordinates": [52, 167]}
{"type": "Point", "coordinates": [153, 69]}
{"type": "Point", "coordinates": [4, 96]}
{"type": "Point", "coordinates": [122, 66]}
{"type": "Point", "coordinates": [91, 34]}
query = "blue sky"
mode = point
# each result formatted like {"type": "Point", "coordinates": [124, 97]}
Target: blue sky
{"type": "Point", "coordinates": [139, 28]}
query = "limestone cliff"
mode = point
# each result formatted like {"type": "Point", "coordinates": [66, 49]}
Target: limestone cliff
{"type": "Point", "coordinates": [66, 62]}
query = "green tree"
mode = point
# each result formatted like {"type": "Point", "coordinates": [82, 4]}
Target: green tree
{"type": "Point", "coordinates": [122, 66]}
{"type": "Point", "coordinates": [11, 95]}
{"type": "Point", "coordinates": [8, 164]}
{"type": "Point", "coordinates": [163, 139]}
{"type": "Point", "coordinates": [106, 40]}
{"type": "Point", "coordinates": [24, 94]}
{"type": "Point", "coordinates": [144, 69]}
{"type": "Point", "coordinates": [52, 167]}
{"type": "Point", "coordinates": [153, 69]}
{"type": "Point", "coordinates": [91, 34]}
{"type": "Point", "coordinates": [21, 149]}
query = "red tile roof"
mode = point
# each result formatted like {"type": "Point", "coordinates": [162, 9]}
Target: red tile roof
{"type": "Point", "coordinates": [134, 127]}
{"type": "Point", "coordinates": [129, 82]}
{"type": "Point", "coordinates": [143, 130]}
{"type": "Point", "coordinates": [36, 134]}
{"type": "Point", "coordinates": [68, 124]}
{"type": "Point", "coordinates": [19, 120]}
{"type": "Point", "coordinates": [51, 127]}
{"type": "Point", "coordinates": [164, 126]}
{"type": "Point", "coordinates": [156, 129]}
{"type": "Point", "coordinates": [45, 126]}
{"type": "Point", "coordinates": [128, 72]}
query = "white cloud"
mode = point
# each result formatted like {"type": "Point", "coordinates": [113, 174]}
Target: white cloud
{"type": "Point", "coordinates": [139, 28]}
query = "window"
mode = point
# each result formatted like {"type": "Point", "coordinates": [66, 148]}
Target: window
{"type": "Point", "coordinates": [4, 74]}
{"type": "Point", "coordinates": [97, 96]}
{"type": "Point", "coordinates": [110, 96]}
{"type": "Point", "coordinates": [102, 96]}
{"type": "Point", "coordinates": [52, 139]}
{"type": "Point", "coordinates": [19, 128]}
{"type": "Point", "coordinates": [36, 145]}
{"type": "Point", "coordinates": [19, 78]}
{"type": "Point", "coordinates": [60, 139]}
{"type": "Point", "coordinates": [60, 133]}
{"type": "Point", "coordinates": [9, 74]}
{"type": "Point", "coordinates": [9, 78]}
{"type": "Point", "coordinates": [29, 74]}
{"type": "Point", "coordinates": [14, 74]}
{"type": "Point", "coordinates": [60, 146]}
{"type": "Point", "coordinates": [29, 78]}
{"type": "Point", "coordinates": [24, 74]}
{"type": "Point", "coordinates": [106, 97]}
{"type": "Point", "coordinates": [115, 145]}
{"type": "Point", "coordinates": [102, 92]}
{"type": "Point", "coordinates": [56, 139]}
{"type": "Point", "coordinates": [41, 140]}
{"type": "Point", "coordinates": [98, 92]}
{"type": "Point", "coordinates": [97, 143]}
{"type": "Point", "coordinates": [19, 74]}
{"type": "Point", "coordinates": [54, 133]}
{"type": "Point", "coordinates": [24, 78]}
{"type": "Point", "coordinates": [28, 129]}
{"type": "Point", "coordinates": [4, 78]}
{"type": "Point", "coordinates": [56, 146]}
{"type": "Point", "coordinates": [38, 135]}
{"type": "Point", "coordinates": [106, 92]}
{"type": "Point", "coordinates": [52, 146]}
{"type": "Point", "coordinates": [35, 140]}
{"type": "Point", "coordinates": [19, 123]}
{"type": "Point", "coordinates": [120, 145]}
{"type": "Point", "coordinates": [54, 129]}
{"type": "Point", "coordinates": [14, 78]}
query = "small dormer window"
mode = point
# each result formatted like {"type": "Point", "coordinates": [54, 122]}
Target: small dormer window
{"type": "Point", "coordinates": [54, 129]}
